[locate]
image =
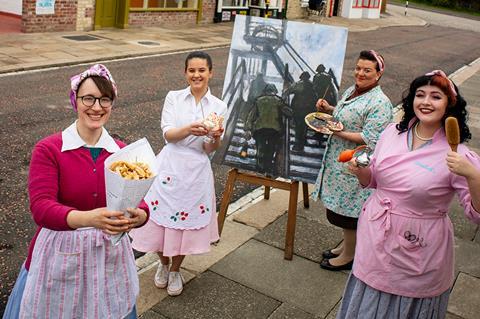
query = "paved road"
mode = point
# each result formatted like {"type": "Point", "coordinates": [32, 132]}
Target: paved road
{"type": "Point", "coordinates": [35, 104]}
{"type": "Point", "coordinates": [437, 18]}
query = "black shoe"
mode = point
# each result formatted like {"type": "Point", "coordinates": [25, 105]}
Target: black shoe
{"type": "Point", "coordinates": [327, 254]}
{"type": "Point", "coordinates": [137, 254]}
{"type": "Point", "coordinates": [325, 264]}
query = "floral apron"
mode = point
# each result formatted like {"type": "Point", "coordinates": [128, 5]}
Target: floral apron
{"type": "Point", "coordinates": [182, 196]}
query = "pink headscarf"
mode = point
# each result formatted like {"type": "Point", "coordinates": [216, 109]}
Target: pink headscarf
{"type": "Point", "coordinates": [380, 60]}
{"type": "Point", "coordinates": [442, 74]}
{"type": "Point", "coordinates": [96, 70]}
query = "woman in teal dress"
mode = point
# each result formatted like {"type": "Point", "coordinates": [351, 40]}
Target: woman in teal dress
{"type": "Point", "coordinates": [364, 111]}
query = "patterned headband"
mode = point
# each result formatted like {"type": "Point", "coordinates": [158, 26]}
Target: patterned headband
{"type": "Point", "coordinates": [380, 60]}
{"type": "Point", "coordinates": [96, 70]}
{"type": "Point", "coordinates": [442, 74]}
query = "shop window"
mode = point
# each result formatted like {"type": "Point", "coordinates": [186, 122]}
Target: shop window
{"type": "Point", "coordinates": [357, 3]}
{"type": "Point", "coordinates": [164, 4]}
{"type": "Point", "coordinates": [234, 3]}
{"type": "Point", "coordinates": [263, 3]}
{"type": "Point", "coordinates": [371, 3]}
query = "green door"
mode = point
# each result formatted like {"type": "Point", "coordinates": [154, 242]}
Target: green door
{"type": "Point", "coordinates": [105, 13]}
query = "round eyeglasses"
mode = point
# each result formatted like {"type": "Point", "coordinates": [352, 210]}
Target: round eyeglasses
{"type": "Point", "coordinates": [89, 101]}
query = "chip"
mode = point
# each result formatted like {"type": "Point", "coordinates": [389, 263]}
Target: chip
{"type": "Point", "coordinates": [136, 170]}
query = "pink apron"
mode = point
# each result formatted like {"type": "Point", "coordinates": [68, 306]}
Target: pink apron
{"type": "Point", "coordinates": [80, 274]}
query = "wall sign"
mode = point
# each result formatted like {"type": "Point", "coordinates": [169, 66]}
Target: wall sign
{"type": "Point", "coordinates": [45, 7]}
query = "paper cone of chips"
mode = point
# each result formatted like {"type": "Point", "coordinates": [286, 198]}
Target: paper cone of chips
{"type": "Point", "coordinates": [129, 173]}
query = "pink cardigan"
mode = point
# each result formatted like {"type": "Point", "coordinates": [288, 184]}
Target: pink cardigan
{"type": "Point", "coordinates": [61, 182]}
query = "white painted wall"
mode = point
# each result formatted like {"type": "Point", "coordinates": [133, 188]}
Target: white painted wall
{"type": "Point", "coordinates": [371, 13]}
{"type": "Point", "coordinates": [358, 13]}
{"type": "Point", "coordinates": [349, 12]}
{"type": "Point", "coordinates": [11, 6]}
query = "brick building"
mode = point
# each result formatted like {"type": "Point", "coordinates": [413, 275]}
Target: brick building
{"type": "Point", "coordinates": [86, 15]}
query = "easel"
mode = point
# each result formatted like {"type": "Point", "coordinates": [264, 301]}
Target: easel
{"type": "Point", "coordinates": [234, 175]}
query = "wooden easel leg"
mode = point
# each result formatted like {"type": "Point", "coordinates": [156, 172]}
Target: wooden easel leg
{"type": "Point", "coordinates": [306, 202]}
{"type": "Point", "coordinates": [291, 221]}
{"type": "Point", "coordinates": [266, 194]}
{"type": "Point", "coordinates": [227, 193]}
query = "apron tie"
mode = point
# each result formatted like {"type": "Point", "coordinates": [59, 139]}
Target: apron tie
{"type": "Point", "coordinates": [386, 205]}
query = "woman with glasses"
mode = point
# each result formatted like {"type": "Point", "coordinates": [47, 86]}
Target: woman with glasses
{"type": "Point", "coordinates": [72, 269]}
{"type": "Point", "coordinates": [182, 198]}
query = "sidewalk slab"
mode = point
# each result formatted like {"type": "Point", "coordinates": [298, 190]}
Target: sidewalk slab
{"type": "Point", "coordinates": [149, 293]}
{"type": "Point", "coordinates": [465, 296]}
{"type": "Point", "coordinates": [333, 313]}
{"type": "Point", "coordinates": [288, 311]}
{"type": "Point", "coordinates": [265, 211]}
{"type": "Point", "coordinates": [467, 255]}
{"type": "Point", "coordinates": [452, 316]}
{"type": "Point", "coordinates": [151, 315]}
{"type": "Point", "coordinates": [299, 282]}
{"type": "Point", "coordinates": [462, 227]}
{"type": "Point", "coordinates": [312, 236]}
{"type": "Point", "coordinates": [213, 296]}
{"type": "Point", "coordinates": [233, 236]}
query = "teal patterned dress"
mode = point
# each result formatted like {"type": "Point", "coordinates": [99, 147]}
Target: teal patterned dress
{"type": "Point", "coordinates": [368, 114]}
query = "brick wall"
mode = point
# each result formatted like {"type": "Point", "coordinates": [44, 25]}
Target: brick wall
{"type": "Point", "coordinates": [64, 18]}
{"type": "Point", "coordinates": [169, 18]}
{"type": "Point", "coordinates": [85, 15]}
{"type": "Point", "coordinates": [159, 18]}
{"type": "Point", "coordinates": [208, 11]}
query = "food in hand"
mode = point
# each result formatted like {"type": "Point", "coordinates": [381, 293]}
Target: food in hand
{"type": "Point", "coordinates": [452, 131]}
{"type": "Point", "coordinates": [213, 121]}
{"type": "Point", "coordinates": [128, 170]}
{"type": "Point", "coordinates": [323, 123]}
{"type": "Point", "coordinates": [346, 156]}
{"type": "Point", "coordinates": [334, 126]}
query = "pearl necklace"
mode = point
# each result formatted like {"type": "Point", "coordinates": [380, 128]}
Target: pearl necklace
{"type": "Point", "coordinates": [418, 136]}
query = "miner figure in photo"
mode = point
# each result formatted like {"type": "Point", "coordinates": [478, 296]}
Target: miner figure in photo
{"type": "Point", "coordinates": [266, 122]}
{"type": "Point", "coordinates": [303, 103]}
{"type": "Point", "coordinates": [323, 85]}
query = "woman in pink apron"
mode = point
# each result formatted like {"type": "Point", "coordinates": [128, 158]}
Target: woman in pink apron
{"type": "Point", "coordinates": [72, 269]}
{"type": "Point", "coordinates": [183, 217]}
{"type": "Point", "coordinates": [404, 259]}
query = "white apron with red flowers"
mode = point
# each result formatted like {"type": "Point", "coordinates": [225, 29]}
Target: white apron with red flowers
{"type": "Point", "coordinates": [183, 194]}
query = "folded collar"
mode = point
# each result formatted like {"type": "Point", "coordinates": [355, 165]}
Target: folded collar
{"type": "Point", "coordinates": [71, 140]}
{"type": "Point", "coordinates": [188, 93]}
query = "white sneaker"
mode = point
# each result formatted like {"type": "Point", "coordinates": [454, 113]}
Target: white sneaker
{"type": "Point", "coordinates": [175, 283]}
{"type": "Point", "coordinates": [161, 276]}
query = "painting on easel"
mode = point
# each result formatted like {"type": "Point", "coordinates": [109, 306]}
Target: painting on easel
{"type": "Point", "coordinates": [277, 70]}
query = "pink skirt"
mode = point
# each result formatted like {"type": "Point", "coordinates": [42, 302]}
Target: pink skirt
{"type": "Point", "coordinates": [174, 242]}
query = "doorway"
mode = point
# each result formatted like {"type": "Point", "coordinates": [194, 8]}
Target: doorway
{"type": "Point", "coordinates": [335, 7]}
{"type": "Point", "coordinates": [106, 12]}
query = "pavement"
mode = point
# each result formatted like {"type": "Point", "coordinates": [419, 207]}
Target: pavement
{"type": "Point", "coordinates": [245, 275]}
{"type": "Point", "coordinates": [31, 51]}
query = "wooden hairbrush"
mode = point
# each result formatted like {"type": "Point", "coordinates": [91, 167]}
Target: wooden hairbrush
{"type": "Point", "coordinates": [453, 132]}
